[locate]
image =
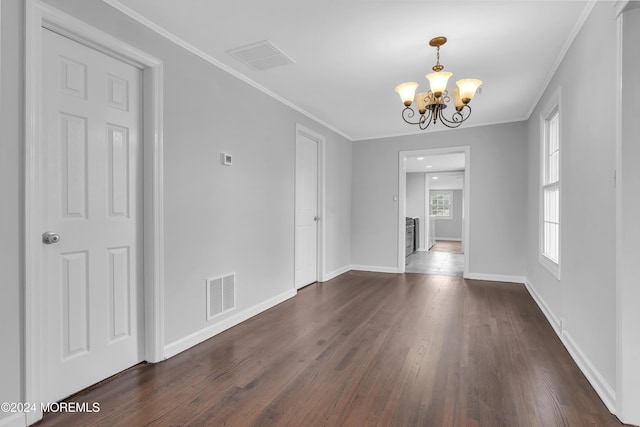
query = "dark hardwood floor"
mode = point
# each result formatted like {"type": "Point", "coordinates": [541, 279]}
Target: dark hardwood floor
{"type": "Point", "coordinates": [365, 349]}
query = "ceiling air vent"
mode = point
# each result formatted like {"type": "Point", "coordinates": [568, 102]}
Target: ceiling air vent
{"type": "Point", "coordinates": [261, 55]}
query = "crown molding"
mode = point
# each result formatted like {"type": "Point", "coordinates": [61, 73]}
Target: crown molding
{"type": "Point", "coordinates": [213, 61]}
{"type": "Point", "coordinates": [440, 129]}
{"type": "Point", "coordinates": [620, 6]}
{"type": "Point", "coordinates": [552, 71]}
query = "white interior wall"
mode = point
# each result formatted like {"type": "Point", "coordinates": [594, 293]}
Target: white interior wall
{"type": "Point", "coordinates": [497, 170]}
{"type": "Point", "coordinates": [11, 213]}
{"type": "Point", "coordinates": [217, 219]}
{"type": "Point", "coordinates": [198, 129]}
{"type": "Point", "coordinates": [222, 219]}
{"type": "Point", "coordinates": [451, 228]}
{"type": "Point", "coordinates": [338, 207]}
{"type": "Point", "coordinates": [584, 297]}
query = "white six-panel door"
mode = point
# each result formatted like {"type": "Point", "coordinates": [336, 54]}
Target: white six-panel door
{"type": "Point", "coordinates": [306, 215]}
{"type": "Point", "coordinates": [92, 192]}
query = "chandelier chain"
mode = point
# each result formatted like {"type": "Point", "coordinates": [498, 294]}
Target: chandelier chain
{"type": "Point", "coordinates": [438, 67]}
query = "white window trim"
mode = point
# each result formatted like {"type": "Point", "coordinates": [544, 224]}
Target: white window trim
{"type": "Point", "coordinates": [450, 193]}
{"type": "Point", "coordinates": [554, 104]}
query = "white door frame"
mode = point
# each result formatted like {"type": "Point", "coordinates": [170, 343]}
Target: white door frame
{"type": "Point", "coordinates": [40, 16]}
{"type": "Point", "coordinates": [320, 139]}
{"type": "Point", "coordinates": [402, 199]}
{"type": "Point", "coordinates": [427, 211]}
{"type": "Point", "coordinates": [627, 392]}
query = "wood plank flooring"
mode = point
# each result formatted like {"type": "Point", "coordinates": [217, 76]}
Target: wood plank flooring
{"type": "Point", "coordinates": [365, 349]}
{"type": "Point", "coordinates": [435, 262]}
{"type": "Point", "coordinates": [451, 246]}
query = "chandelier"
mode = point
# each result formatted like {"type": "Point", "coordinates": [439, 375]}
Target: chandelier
{"type": "Point", "coordinates": [431, 104]}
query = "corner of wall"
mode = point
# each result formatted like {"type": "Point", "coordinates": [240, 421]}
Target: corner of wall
{"type": "Point", "coordinates": [335, 273]}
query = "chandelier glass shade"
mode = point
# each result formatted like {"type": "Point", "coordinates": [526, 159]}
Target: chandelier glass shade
{"type": "Point", "coordinates": [430, 105]}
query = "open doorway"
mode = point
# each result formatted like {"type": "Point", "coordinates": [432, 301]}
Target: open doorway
{"type": "Point", "coordinates": [433, 211]}
{"type": "Point", "coordinates": [440, 202]}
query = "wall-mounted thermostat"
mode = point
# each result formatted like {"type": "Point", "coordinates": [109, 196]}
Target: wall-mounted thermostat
{"type": "Point", "coordinates": [226, 159]}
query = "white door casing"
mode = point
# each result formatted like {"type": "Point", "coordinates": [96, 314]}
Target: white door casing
{"type": "Point", "coordinates": [428, 235]}
{"type": "Point", "coordinates": [306, 211]}
{"type": "Point", "coordinates": [38, 16]}
{"type": "Point", "coordinates": [92, 197]}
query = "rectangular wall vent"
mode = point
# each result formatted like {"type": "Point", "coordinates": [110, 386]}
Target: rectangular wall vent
{"type": "Point", "coordinates": [221, 295]}
{"type": "Point", "coordinates": [261, 56]}
{"type": "Point", "coordinates": [229, 292]}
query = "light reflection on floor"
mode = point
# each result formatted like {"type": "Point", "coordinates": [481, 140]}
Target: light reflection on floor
{"type": "Point", "coordinates": [434, 262]}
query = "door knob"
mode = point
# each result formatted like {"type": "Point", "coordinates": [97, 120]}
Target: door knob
{"type": "Point", "coordinates": [50, 237]}
{"type": "Point", "coordinates": [316, 218]}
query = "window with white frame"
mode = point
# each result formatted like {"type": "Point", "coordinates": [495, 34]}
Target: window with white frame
{"type": "Point", "coordinates": [442, 204]}
{"type": "Point", "coordinates": [550, 225]}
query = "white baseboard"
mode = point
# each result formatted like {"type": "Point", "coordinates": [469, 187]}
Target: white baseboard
{"type": "Point", "coordinates": [14, 420]}
{"type": "Point", "coordinates": [551, 318]}
{"type": "Point", "coordinates": [453, 239]}
{"type": "Point", "coordinates": [335, 273]}
{"type": "Point", "coordinates": [495, 277]}
{"type": "Point", "coordinates": [475, 276]}
{"type": "Point", "coordinates": [604, 390]}
{"type": "Point", "coordinates": [601, 386]}
{"type": "Point", "coordinates": [374, 268]}
{"type": "Point", "coordinates": [204, 334]}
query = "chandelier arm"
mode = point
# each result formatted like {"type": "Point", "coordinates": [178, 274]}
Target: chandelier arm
{"type": "Point", "coordinates": [450, 124]}
{"type": "Point", "coordinates": [425, 120]}
{"type": "Point", "coordinates": [408, 114]}
{"type": "Point", "coordinates": [467, 108]}
{"type": "Point", "coordinates": [457, 118]}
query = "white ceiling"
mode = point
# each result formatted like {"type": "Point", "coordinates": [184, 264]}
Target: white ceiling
{"type": "Point", "coordinates": [350, 54]}
{"type": "Point", "coordinates": [437, 163]}
{"type": "Point", "coordinates": [445, 171]}
{"type": "Point", "coordinates": [447, 182]}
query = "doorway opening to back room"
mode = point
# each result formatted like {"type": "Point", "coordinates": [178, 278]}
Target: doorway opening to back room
{"type": "Point", "coordinates": [433, 208]}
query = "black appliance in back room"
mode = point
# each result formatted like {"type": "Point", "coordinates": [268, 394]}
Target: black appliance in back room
{"type": "Point", "coordinates": [413, 235]}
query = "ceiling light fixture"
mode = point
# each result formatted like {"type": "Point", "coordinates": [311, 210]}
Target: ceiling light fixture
{"type": "Point", "coordinates": [431, 104]}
